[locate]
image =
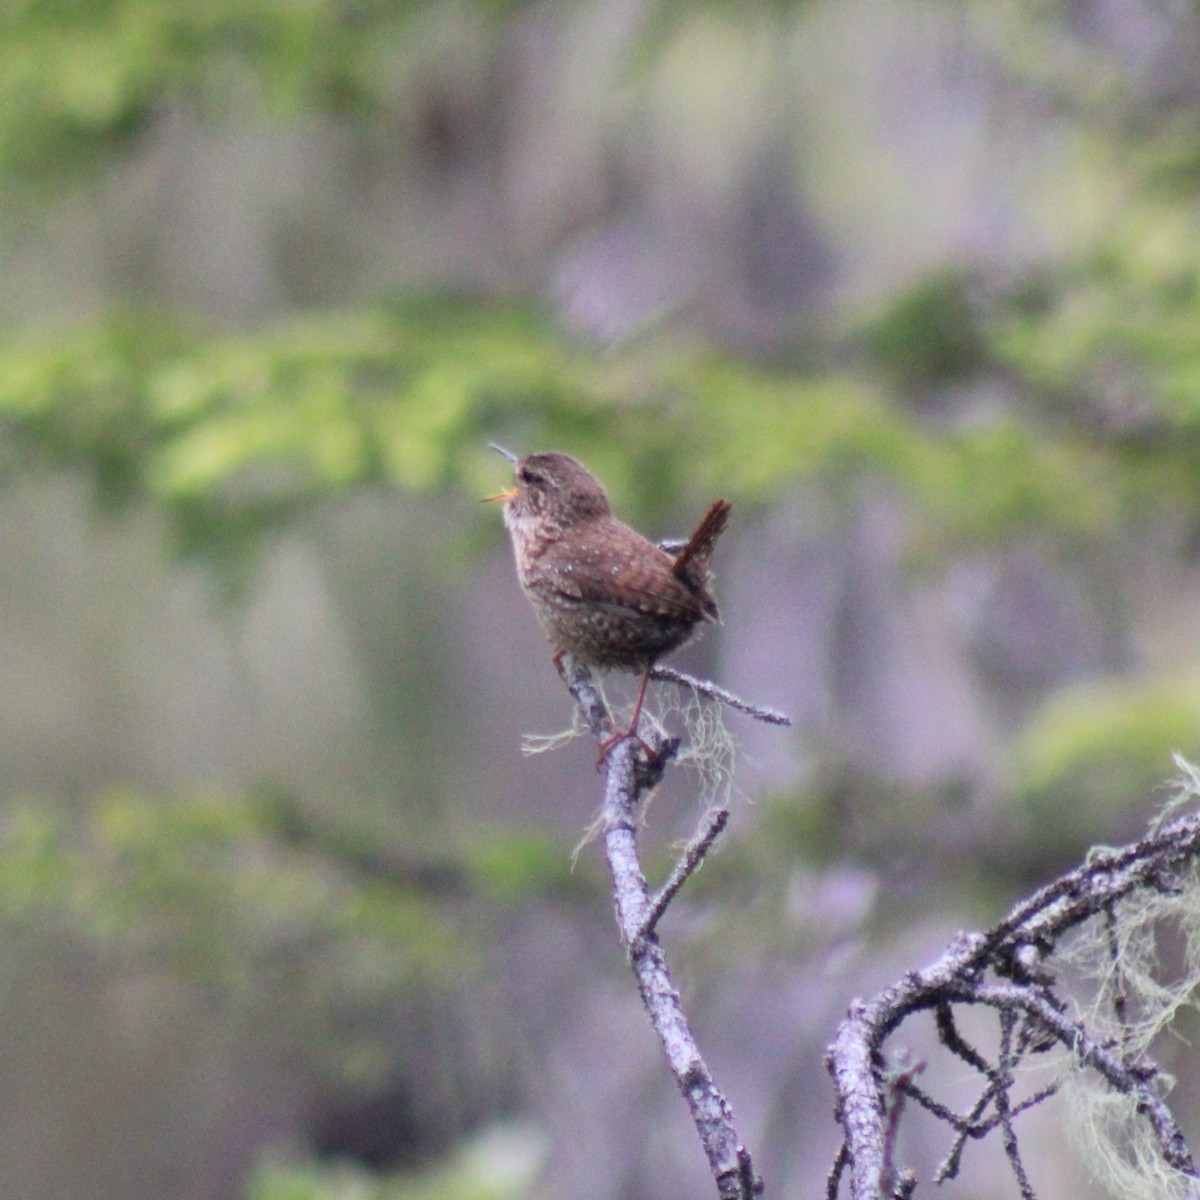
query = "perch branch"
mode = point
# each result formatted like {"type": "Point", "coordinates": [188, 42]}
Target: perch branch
{"type": "Point", "coordinates": [630, 775]}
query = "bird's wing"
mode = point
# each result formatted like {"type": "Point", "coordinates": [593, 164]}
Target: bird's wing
{"type": "Point", "coordinates": [643, 581]}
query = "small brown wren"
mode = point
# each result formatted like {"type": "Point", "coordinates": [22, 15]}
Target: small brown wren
{"type": "Point", "coordinates": [601, 591]}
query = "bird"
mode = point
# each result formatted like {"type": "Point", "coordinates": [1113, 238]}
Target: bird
{"type": "Point", "coordinates": [602, 592]}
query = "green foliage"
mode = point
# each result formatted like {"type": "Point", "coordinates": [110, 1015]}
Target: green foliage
{"type": "Point", "coordinates": [231, 436]}
{"type": "Point", "coordinates": [79, 80]}
{"type": "Point", "coordinates": [513, 866]}
{"type": "Point", "coordinates": [1118, 330]}
{"type": "Point", "coordinates": [497, 1165]}
{"type": "Point", "coordinates": [929, 336]}
{"type": "Point", "coordinates": [206, 889]}
{"type": "Point", "coordinates": [1092, 748]}
{"type": "Point", "coordinates": [1108, 353]}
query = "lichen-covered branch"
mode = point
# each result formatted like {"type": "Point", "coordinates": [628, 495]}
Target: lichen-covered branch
{"type": "Point", "coordinates": [1009, 969]}
{"type": "Point", "coordinates": [713, 691]}
{"type": "Point", "coordinates": [630, 776]}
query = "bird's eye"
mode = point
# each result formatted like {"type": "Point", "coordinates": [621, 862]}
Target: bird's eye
{"type": "Point", "coordinates": [528, 476]}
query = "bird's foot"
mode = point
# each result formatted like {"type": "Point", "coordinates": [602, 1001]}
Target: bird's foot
{"type": "Point", "coordinates": [617, 738]}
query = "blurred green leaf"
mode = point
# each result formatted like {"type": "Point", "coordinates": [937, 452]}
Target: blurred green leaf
{"type": "Point", "coordinates": [204, 888]}
{"type": "Point", "coordinates": [233, 435]}
{"type": "Point", "coordinates": [498, 1164]}
{"type": "Point", "coordinates": [1095, 749]}
{"type": "Point", "coordinates": [929, 335]}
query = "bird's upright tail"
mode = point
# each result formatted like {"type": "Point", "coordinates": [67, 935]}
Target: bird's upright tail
{"type": "Point", "coordinates": [693, 560]}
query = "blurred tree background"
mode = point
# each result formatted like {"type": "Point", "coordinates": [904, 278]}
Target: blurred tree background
{"type": "Point", "coordinates": [284, 912]}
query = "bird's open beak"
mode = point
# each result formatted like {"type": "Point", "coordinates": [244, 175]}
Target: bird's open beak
{"type": "Point", "coordinates": [511, 492]}
{"type": "Point", "coordinates": [508, 495]}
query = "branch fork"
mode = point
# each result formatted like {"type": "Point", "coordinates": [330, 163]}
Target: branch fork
{"type": "Point", "coordinates": [631, 775]}
{"type": "Point", "coordinates": [1005, 970]}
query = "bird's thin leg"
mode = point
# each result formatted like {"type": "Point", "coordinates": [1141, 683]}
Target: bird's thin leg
{"type": "Point", "coordinates": [637, 708]}
{"type": "Point", "coordinates": [610, 742]}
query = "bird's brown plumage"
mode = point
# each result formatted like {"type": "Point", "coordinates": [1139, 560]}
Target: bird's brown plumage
{"type": "Point", "coordinates": [601, 590]}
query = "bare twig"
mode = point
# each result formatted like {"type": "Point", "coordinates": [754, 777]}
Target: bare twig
{"type": "Point", "coordinates": [833, 1183]}
{"type": "Point", "coordinates": [693, 856]}
{"type": "Point", "coordinates": [629, 777]}
{"type": "Point", "coordinates": [897, 1091]}
{"type": "Point", "coordinates": [705, 687]}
